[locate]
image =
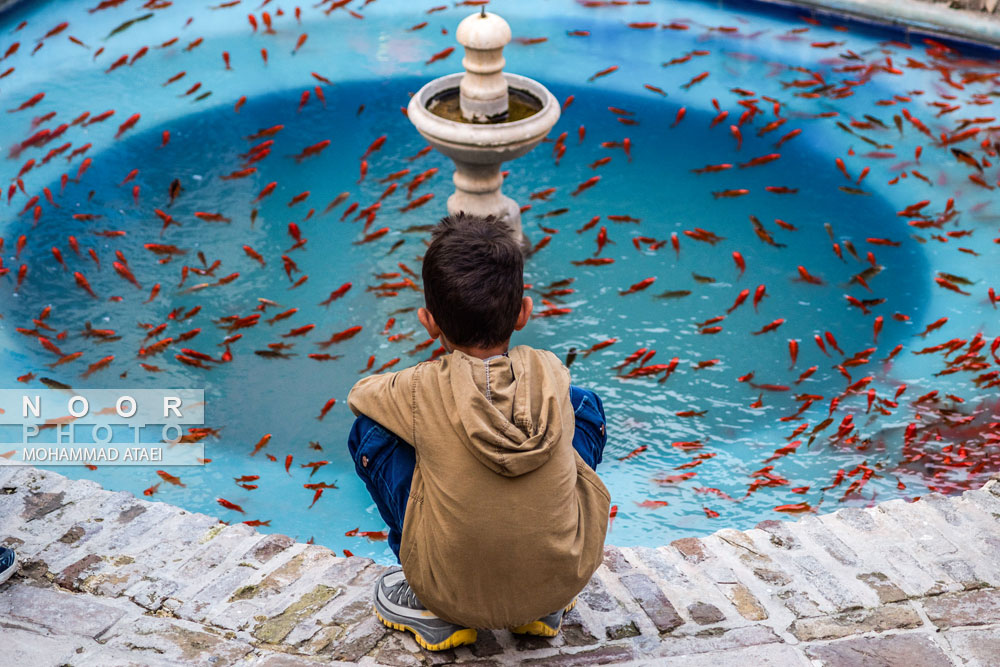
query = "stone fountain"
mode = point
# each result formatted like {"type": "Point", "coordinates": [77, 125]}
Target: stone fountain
{"type": "Point", "coordinates": [482, 118]}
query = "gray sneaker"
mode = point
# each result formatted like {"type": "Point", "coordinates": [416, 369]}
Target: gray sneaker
{"type": "Point", "coordinates": [397, 606]}
{"type": "Point", "coordinates": [547, 626]}
{"type": "Point", "coordinates": [8, 563]}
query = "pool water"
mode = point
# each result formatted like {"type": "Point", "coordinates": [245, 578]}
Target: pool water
{"type": "Point", "coordinates": [706, 448]}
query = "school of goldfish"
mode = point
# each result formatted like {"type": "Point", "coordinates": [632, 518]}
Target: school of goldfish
{"type": "Point", "coordinates": [166, 262]}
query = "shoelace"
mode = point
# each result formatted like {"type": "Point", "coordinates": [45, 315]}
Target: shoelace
{"type": "Point", "coordinates": [403, 595]}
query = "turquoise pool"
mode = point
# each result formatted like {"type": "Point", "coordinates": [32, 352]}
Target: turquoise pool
{"type": "Point", "coordinates": [707, 448]}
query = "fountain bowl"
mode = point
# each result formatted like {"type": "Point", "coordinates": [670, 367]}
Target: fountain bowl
{"type": "Point", "coordinates": [483, 143]}
{"type": "Point", "coordinates": [478, 149]}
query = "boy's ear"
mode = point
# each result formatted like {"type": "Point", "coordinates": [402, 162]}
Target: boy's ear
{"type": "Point", "coordinates": [522, 318]}
{"type": "Point", "coordinates": [427, 320]}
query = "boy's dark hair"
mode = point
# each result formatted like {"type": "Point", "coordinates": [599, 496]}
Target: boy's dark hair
{"type": "Point", "coordinates": [473, 276]}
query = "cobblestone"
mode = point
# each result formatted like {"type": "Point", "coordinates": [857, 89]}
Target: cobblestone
{"type": "Point", "coordinates": [973, 608]}
{"type": "Point", "coordinates": [909, 650]}
{"type": "Point", "coordinates": [880, 619]}
{"type": "Point", "coordinates": [653, 601]}
{"type": "Point", "coordinates": [112, 580]}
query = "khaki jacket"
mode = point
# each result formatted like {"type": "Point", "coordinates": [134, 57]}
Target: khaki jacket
{"type": "Point", "coordinates": [505, 522]}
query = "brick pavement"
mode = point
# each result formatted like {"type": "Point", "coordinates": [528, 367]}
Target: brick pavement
{"type": "Point", "coordinates": [108, 579]}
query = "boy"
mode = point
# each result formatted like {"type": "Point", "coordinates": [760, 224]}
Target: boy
{"type": "Point", "coordinates": [482, 461]}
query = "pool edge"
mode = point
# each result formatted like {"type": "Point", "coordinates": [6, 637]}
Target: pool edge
{"type": "Point", "coordinates": [958, 24]}
{"type": "Point", "coordinates": [120, 573]}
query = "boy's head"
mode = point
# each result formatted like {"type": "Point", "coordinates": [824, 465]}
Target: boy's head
{"type": "Point", "coordinates": [473, 274]}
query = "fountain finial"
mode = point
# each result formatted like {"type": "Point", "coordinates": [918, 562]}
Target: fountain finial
{"type": "Point", "coordinates": [483, 90]}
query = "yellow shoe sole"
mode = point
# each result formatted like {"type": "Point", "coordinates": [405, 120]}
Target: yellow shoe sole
{"type": "Point", "coordinates": [540, 628]}
{"type": "Point", "coordinates": [460, 638]}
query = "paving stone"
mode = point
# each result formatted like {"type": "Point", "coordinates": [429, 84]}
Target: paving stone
{"type": "Point", "coordinates": [963, 572]}
{"type": "Point", "coordinates": [59, 612]}
{"type": "Point", "coordinates": [527, 643]}
{"type": "Point", "coordinates": [665, 563]}
{"type": "Point", "coordinates": [781, 535]}
{"type": "Point", "coordinates": [859, 621]}
{"type": "Point", "coordinates": [605, 655]}
{"type": "Point", "coordinates": [843, 594]}
{"type": "Point", "coordinates": [103, 656]}
{"type": "Point", "coordinates": [574, 632]}
{"type": "Point", "coordinates": [285, 660]}
{"type": "Point", "coordinates": [72, 535]}
{"type": "Point", "coordinates": [745, 602]}
{"type": "Point", "coordinates": [351, 605]}
{"type": "Point", "coordinates": [150, 593]}
{"type": "Point", "coordinates": [912, 649]}
{"type": "Point", "coordinates": [883, 587]}
{"type": "Point", "coordinates": [917, 521]}
{"type": "Point", "coordinates": [152, 526]}
{"type": "Point", "coordinates": [856, 518]}
{"type": "Point", "coordinates": [709, 641]}
{"type": "Point", "coordinates": [703, 613]}
{"type": "Point", "coordinates": [622, 630]}
{"type": "Point", "coordinates": [985, 501]}
{"type": "Point", "coordinates": [772, 576]}
{"type": "Point", "coordinates": [28, 647]}
{"type": "Point", "coordinates": [956, 513]}
{"type": "Point", "coordinates": [971, 608]}
{"type": "Point", "coordinates": [614, 560]}
{"type": "Point", "coordinates": [595, 595]}
{"type": "Point", "coordinates": [742, 543]}
{"type": "Point", "coordinates": [76, 542]}
{"type": "Point", "coordinates": [437, 657]}
{"type": "Point", "coordinates": [183, 568]}
{"type": "Point", "coordinates": [652, 600]}
{"type": "Point", "coordinates": [815, 531]}
{"type": "Point", "coordinates": [273, 630]}
{"type": "Point", "coordinates": [394, 650]}
{"type": "Point", "coordinates": [917, 577]}
{"type": "Point", "coordinates": [320, 640]}
{"type": "Point", "coordinates": [292, 573]}
{"type": "Point", "coordinates": [198, 605]}
{"type": "Point", "coordinates": [973, 648]}
{"type": "Point", "coordinates": [799, 603]}
{"type": "Point", "coordinates": [220, 550]}
{"type": "Point", "coordinates": [71, 576]}
{"type": "Point", "coordinates": [691, 548]}
{"type": "Point", "coordinates": [686, 582]}
{"type": "Point", "coordinates": [357, 641]}
{"type": "Point", "coordinates": [753, 555]}
{"type": "Point", "coordinates": [768, 655]}
{"type": "Point", "coordinates": [884, 554]}
{"type": "Point", "coordinates": [487, 643]}
{"type": "Point", "coordinates": [267, 548]}
{"type": "Point", "coordinates": [37, 505]}
{"type": "Point", "coordinates": [175, 641]}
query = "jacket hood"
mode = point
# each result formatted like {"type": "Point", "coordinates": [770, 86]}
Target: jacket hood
{"type": "Point", "coordinates": [512, 426]}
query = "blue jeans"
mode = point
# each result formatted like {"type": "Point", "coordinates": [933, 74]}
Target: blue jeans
{"type": "Point", "coordinates": [385, 462]}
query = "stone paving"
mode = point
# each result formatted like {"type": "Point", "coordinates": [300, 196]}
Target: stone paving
{"type": "Point", "coordinates": [108, 579]}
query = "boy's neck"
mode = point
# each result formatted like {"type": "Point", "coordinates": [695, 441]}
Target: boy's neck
{"type": "Point", "coordinates": [480, 352]}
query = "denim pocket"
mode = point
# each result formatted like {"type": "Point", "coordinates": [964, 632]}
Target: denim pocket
{"type": "Point", "coordinates": [591, 430]}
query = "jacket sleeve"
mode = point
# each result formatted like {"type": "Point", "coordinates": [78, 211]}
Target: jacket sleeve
{"type": "Point", "coordinates": [387, 398]}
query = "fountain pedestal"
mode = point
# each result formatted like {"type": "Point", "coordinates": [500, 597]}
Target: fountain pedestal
{"type": "Point", "coordinates": [478, 191]}
{"type": "Point", "coordinates": [483, 133]}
